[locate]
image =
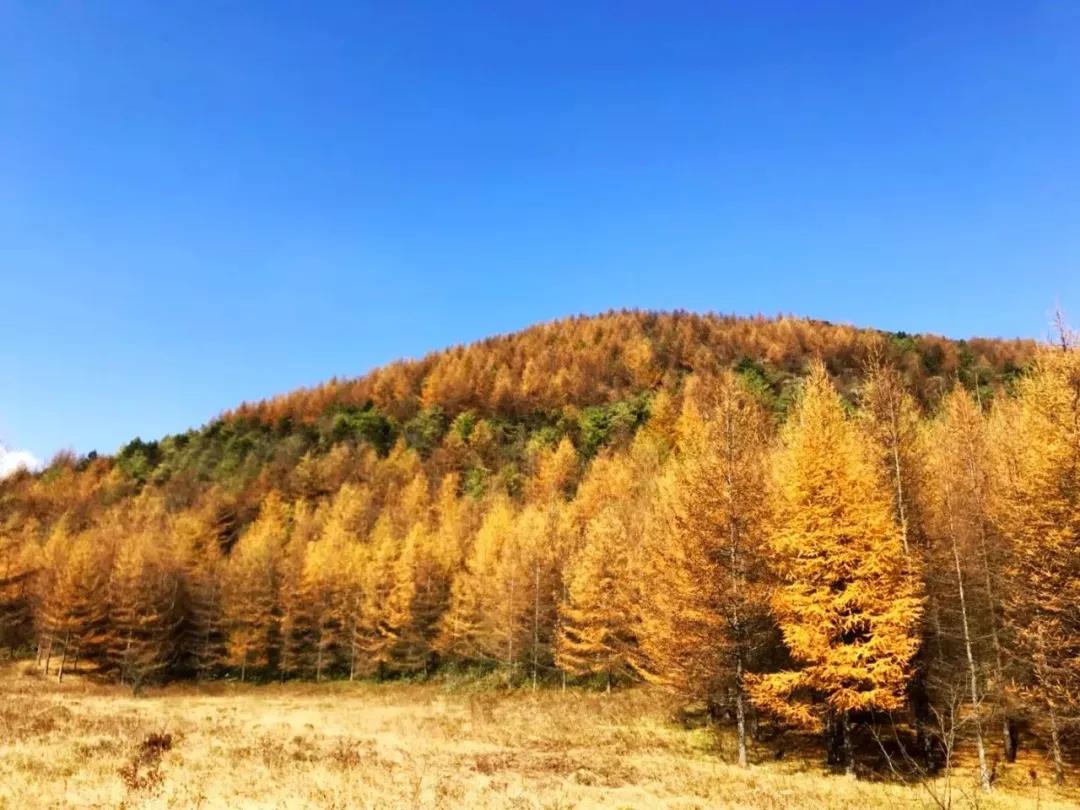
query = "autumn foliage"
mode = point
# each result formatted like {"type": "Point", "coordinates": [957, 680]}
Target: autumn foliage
{"type": "Point", "coordinates": [798, 526]}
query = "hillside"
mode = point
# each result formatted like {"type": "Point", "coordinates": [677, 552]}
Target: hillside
{"type": "Point", "coordinates": [587, 378]}
{"type": "Point", "coordinates": [794, 527]}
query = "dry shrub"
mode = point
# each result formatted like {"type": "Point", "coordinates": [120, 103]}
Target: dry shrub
{"type": "Point", "coordinates": [347, 754]}
{"type": "Point", "coordinates": [142, 774]}
{"type": "Point", "coordinates": [488, 764]}
{"type": "Point", "coordinates": [99, 748]}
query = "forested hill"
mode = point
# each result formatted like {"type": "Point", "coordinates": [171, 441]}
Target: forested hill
{"type": "Point", "coordinates": [485, 410]}
{"type": "Point", "coordinates": [583, 361]}
{"type": "Point", "coordinates": [814, 524]}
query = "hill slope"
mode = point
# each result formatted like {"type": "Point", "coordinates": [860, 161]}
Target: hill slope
{"type": "Point", "coordinates": [817, 526]}
{"type": "Point", "coordinates": [483, 410]}
{"type": "Point", "coordinates": [587, 378]}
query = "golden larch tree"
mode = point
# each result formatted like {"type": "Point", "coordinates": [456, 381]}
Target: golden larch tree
{"type": "Point", "coordinates": [469, 629]}
{"type": "Point", "coordinates": [251, 584]}
{"type": "Point", "coordinates": [706, 619]}
{"type": "Point", "coordinates": [965, 551]}
{"type": "Point", "coordinates": [597, 619]}
{"type": "Point", "coordinates": [848, 612]}
{"type": "Point", "coordinates": [143, 608]}
{"type": "Point", "coordinates": [73, 597]}
{"type": "Point", "coordinates": [536, 537]}
{"type": "Point", "coordinates": [19, 565]}
{"type": "Point", "coordinates": [376, 630]}
{"type": "Point", "coordinates": [1038, 506]}
{"type": "Point", "coordinates": [196, 550]}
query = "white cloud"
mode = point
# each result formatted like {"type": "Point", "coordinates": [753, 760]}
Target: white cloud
{"type": "Point", "coordinates": [12, 460]}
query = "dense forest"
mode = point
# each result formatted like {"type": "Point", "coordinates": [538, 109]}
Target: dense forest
{"type": "Point", "coordinates": [799, 526]}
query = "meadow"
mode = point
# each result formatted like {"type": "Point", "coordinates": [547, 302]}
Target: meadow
{"type": "Point", "coordinates": [439, 744]}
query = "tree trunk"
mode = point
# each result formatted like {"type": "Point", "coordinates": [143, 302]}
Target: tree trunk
{"type": "Point", "coordinates": [1008, 743]}
{"type": "Point", "coordinates": [352, 647]}
{"type": "Point", "coordinates": [510, 632]}
{"type": "Point", "coordinates": [999, 669]}
{"type": "Point", "coordinates": [849, 748]}
{"type": "Point", "coordinates": [1055, 746]}
{"type": "Point", "coordinates": [833, 740]}
{"type": "Point", "coordinates": [536, 620]}
{"type": "Point", "coordinates": [973, 679]}
{"type": "Point", "coordinates": [740, 725]}
{"type": "Point", "coordinates": [898, 478]}
{"type": "Point", "coordinates": [124, 666]}
{"type": "Point", "coordinates": [984, 771]}
{"type": "Point", "coordinates": [63, 660]}
{"type": "Point", "coordinates": [204, 656]}
{"type": "Point", "coordinates": [1008, 736]}
{"type": "Point", "coordinates": [939, 634]}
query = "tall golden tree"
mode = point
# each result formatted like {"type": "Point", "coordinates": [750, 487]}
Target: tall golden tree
{"type": "Point", "coordinates": [251, 585]}
{"type": "Point", "coordinates": [416, 600]}
{"type": "Point", "coordinates": [321, 589]}
{"type": "Point", "coordinates": [894, 427]}
{"type": "Point", "coordinates": [408, 612]}
{"type": "Point", "coordinates": [379, 624]}
{"type": "Point", "coordinates": [556, 472]}
{"type": "Point", "coordinates": [470, 628]}
{"type": "Point", "coordinates": [1039, 509]}
{"type": "Point", "coordinates": [73, 598]}
{"type": "Point", "coordinates": [706, 621]}
{"type": "Point", "coordinates": [892, 421]}
{"type": "Point", "coordinates": [323, 605]}
{"type": "Point", "coordinates": [966, 554]}
{"type": "Point", "coordinates": [196, 551]}
{"type": "Point", "coordinates": [143, 608]}
{"type": "Point", "coordinates": [597, 620]}
{"type": "Point", "coordinates": [540, 572]}
{"type": "Point", "coordinates": [19, 565]}
{"type": "Point", "coordinates": [848, 612]}
{"type": "Point", "coordinates": [605, 575]}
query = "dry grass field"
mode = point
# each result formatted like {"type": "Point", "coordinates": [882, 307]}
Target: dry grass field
{"type": "Point", "coordinates": [365, 745]}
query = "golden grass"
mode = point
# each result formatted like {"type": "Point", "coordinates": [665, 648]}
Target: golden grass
{"type": "Point", "coordinates": [365, 745]}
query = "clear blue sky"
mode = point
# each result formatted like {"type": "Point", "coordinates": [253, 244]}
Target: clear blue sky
{"type": "Point", "coordinates": [200, 206]}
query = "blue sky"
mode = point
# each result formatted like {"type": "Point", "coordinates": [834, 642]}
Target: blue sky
{"type": "Point", "coordinates": [200, 206]}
